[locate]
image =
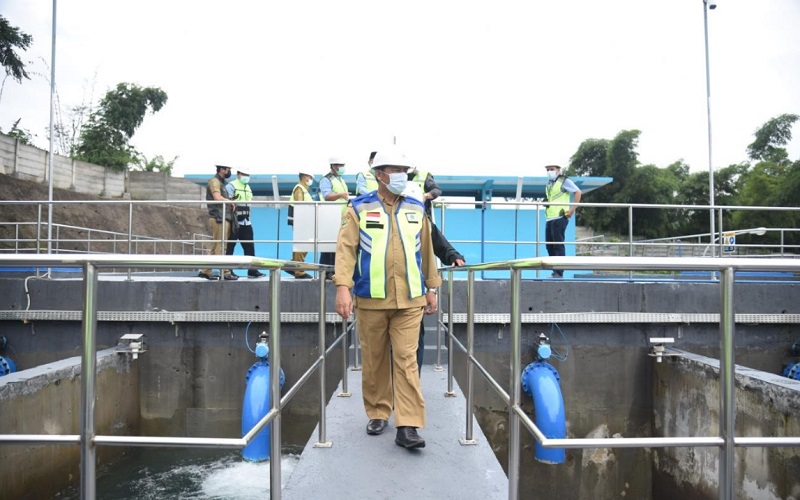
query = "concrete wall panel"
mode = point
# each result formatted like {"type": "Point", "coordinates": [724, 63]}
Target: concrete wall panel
{"type": "Point", "coordinates": [686, 403]}
{"type": "Point", "coordinates": [46, 400]}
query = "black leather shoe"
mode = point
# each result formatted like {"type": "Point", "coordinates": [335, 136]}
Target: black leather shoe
{"type": "Point", "coordinates": [230, 277]}
{"type": "Point", "coordinates": [408, 438]}
{"type": "Point", "coordinates": [304, 276]}
{"type": "Point", "coordinates": [376, 426]}
{"type": "Point", "coordinates": [255, 274]}
{"type": "Point", "coordinates": [209, 277]}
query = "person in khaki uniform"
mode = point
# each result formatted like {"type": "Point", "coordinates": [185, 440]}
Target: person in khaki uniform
{"type": "Point", "coordinates": [215, 190]}
{"type": "Point", "coordinates": [300, 193]}
{"type": "Point", "coordinates": [385, 256]}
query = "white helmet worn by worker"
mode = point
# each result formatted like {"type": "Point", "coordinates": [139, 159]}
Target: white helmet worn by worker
{"type": "Point", "coordinates": [335, 160]}
{"type": "Point", "coordinates": [391, 156]}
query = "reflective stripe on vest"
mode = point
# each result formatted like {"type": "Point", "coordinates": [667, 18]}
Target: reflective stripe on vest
{"type": "Point", "coordinates": [556, 195]}
{"type": "Point", "coordinates": [375, 225]}
{"type": "Point", "coordinates": [337, 186]}
{"type": "Point", "coordinates": [242, 192]}
{"type": "Point", "coordinates": [306, 197]}
{"type": "Point", "coordinates": [371, 182]}
{"type": "Point", "coordinates": [306, 194]}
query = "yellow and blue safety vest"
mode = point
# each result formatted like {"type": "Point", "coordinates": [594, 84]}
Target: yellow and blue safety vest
{"type": "Point", "coordinates": [376, 230]}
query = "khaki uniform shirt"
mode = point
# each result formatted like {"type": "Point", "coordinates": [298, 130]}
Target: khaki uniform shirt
{"type": "Point", "coordinates": [397, 293]}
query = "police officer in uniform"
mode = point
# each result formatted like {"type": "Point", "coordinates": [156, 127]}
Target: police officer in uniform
{"type": "Point", "coordinates": [385, 255]}
{"type": "Point", "coordinates": [239, 190]}
{"type": "Point", "coordinates": [215, 190]}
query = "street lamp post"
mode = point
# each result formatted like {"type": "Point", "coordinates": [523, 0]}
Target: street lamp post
{"type": "Point", "coordinates": [709, 4]}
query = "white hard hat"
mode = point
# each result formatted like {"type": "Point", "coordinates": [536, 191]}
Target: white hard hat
{"type": "Point", "coordinates": [391, 156]}
{"type": "Point", "coordinates": [335, 160]}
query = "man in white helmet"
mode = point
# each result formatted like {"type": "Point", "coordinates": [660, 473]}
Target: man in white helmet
{"type": "Point", "coordinates": [333, 188]}
{"type": "Point", "coordinates": [385, 255]}
{"type": "Point", "coordinates": [559, 190]}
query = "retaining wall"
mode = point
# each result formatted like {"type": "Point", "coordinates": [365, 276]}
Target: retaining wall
{"type": "Point", "coordinates": [31, 164]}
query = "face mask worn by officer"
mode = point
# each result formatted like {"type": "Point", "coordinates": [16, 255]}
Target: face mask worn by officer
{"type": "Point", "coordinates": [245, 179]}
{"type": "Point", "coordinates": [227, 175]}
{"type": "Point", "coordinates": [553, 174]}
{"type": "Point", "coordinates": [397, 182]}
{"type": "Point", "coordinates": [309, 182]}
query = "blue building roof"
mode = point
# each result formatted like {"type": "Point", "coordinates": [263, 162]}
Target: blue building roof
{"type": "Point", "coordinates": [479, 188]}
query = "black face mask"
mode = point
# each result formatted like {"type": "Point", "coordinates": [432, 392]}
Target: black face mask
{"type": "Point", "coordinates": [228, 175]}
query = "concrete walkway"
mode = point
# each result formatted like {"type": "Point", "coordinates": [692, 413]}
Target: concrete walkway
{"type": "Point", "coordinates": [360, 466]}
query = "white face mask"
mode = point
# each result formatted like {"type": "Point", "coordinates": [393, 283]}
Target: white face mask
{"type": "Point", "coordinates": [397, 182]}
{"type": "Point", "coordinates": [552, 174]}
{"type": "Point", "coordinates": [309, 182]}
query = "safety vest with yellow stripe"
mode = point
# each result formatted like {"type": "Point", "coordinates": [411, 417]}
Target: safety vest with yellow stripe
{"type": "Point", "coordinates": [306, 197]}
{"type": "Point", "coordinates": [338, 186]}
{"type": "Point", "coordinates": [376, 229]}
{"type": "Point", "coordinates": [241, 192]}
{"type": "Point", "coordinates": [371, 182]}
{"type": "Point", "coordinates": [556, 195]}
{"type": "Point", "coordinates": [420, 178]}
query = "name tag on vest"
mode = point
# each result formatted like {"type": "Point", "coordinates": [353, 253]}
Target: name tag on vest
{"type": "Point", "coordinates": [412, 217]}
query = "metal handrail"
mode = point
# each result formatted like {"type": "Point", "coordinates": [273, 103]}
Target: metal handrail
{"type": "Point", "coordinates": [88, 440]}
{"type": "Point", "coordinates": [726, 440]}
{"type": "Point", "coordinates": [443, 206]}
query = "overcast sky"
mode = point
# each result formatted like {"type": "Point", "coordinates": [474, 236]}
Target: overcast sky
{"type": "Point", "coordinates": [466, 87]}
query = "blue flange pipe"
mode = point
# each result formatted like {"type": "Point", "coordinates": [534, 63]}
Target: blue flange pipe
{"type": "Point", "coordinates": [792, 371]}
{"type": "Point", "coordinates": [256, 405]}
{"type": "Point", "coordinates": [7, 366]}
{"type": "Point", "coordinates": [540, 382]}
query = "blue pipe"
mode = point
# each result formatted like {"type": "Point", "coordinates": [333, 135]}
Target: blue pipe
{"type": "Point", "coordinates": [256, 405]}
{"type": "Point", "coordinates": [540, 382]}
{"type": "Point", "coordinates": [792, 371]}
{"type": "Point", "coordinates": [7, 366]}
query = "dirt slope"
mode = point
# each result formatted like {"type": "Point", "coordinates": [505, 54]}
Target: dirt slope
{"type": "Point", "coordinates": [155, 221]}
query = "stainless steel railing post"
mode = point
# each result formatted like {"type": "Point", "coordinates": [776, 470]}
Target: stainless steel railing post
{"type": "Point", "coordinates": [468, 439]}
{"type": "Point", "coordinates": [322, 441]}
{"type": "Point", "coordinates": [438, 366]}
{"type": "Point", "coordinates": [726, 386]}
{"type": "Point", "coordinates": [345, 391]}
{"type": "Point", "coordinates": [275, 382]}
{"type": "Point", "coordinates": [450, 393]}
{"type": "Point", "coordinates": [514, 389]}
{"type": "Point", "coordinates": [130, 234]}
{"type": "Point", "coordinates": [88, 372]}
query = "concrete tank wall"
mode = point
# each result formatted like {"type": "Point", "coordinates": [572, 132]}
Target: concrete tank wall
{"type": "Point", "coordinates": [46, 400]}
{"type": "Point", "coordinates": [192, 378]}
{"type": "Point", "coordinates": [686, 403]}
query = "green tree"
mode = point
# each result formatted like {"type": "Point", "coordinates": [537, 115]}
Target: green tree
{"type": "Point", "coordinates": [602, 158]}
{"type": "Point", "coordinates": [652, 185]}
{"type": "Point", "coordinates": [105, 139]}
{"type": "Point", "coordinates": [23, 135]}
{"type": "Point", "coordinates": [770, 138]}
{"type": "Point", "coordinates": [156, 164]}
{"type": "Point", "coordinates": [12, 37]}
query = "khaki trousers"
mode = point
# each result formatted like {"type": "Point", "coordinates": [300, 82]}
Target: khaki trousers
{"type": "Point", "coordinates": [299, 257]}
{"type": "Point", "coordinates": [216, 240]}
{"type": "Point", "coordinates": [380, 329]}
